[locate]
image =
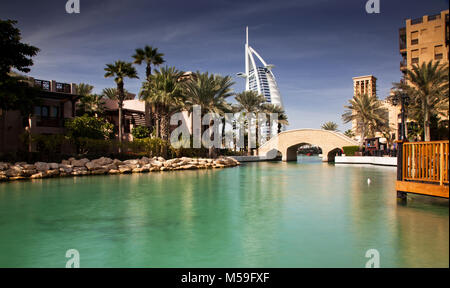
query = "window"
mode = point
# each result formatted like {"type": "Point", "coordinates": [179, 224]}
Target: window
{"type": "Point", "coordinates": [54, 112]}
{"type": "Point", "coordinates": [423, 50]}
{"type": "Point", "coordinates": [423, 31]}
{"type": "Point", "coordinates": [37, 110]}
{"type": "Point", "coordinates": [414, 37]}
{"type": "Point", "coordinates": [44, 111]}
{"type": "Point", "coordinates": [438, 52]}
{"type": "Point", "coordinates": [415, 60]}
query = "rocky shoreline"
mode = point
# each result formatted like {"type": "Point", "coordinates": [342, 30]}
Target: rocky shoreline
{"type": "Point", "coordinates": [104, 165]}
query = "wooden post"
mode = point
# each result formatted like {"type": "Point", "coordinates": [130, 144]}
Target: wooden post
{"type": "Point", "coordinates": [400, 194]}
{"type": "Point", "coordinates": [441, 162]}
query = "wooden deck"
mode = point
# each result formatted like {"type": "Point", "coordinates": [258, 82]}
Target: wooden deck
{"type": "Point", "coordinates": [424, 169]}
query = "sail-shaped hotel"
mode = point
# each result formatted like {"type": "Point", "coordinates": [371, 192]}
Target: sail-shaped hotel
{"type": "Point", "coordinates": [260, 78]}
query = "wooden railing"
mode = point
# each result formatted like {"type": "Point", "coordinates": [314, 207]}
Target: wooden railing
{"type": "Point", "coordinates": [426, 162]}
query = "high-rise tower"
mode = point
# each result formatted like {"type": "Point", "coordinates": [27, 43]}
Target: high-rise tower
{"type": "Point", "coordinates": [260, 78]}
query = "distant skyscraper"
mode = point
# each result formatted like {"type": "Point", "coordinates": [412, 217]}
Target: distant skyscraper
{"type": "Point", "coordinates": [260, 78]}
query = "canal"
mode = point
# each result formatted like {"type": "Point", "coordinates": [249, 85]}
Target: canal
{"type": "Point", "coordinates": [271, 214]}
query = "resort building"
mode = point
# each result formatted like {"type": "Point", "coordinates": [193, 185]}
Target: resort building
{"type": "Point", "coordinates": [57, 103]}
{"type": "Point", "coordinates": [260, 78]}
{"type": "Point", "coordinates": [424, 39]}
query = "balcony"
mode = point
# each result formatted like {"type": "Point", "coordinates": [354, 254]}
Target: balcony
{"type": "Point", "coordinates": [403, 64]}
{"type": "Point", "coordinates": [49, 122]}
{"type": "Point", "coordinates": [402, 38]}
{"type": "Point", "coordinates": [416, 21]}
{"type": "Point", "coordinates": [434, 17]}
{"type": "Point", "coordinates": [42, 84]}
{"type": "Point", "coordinates": [63, 87]}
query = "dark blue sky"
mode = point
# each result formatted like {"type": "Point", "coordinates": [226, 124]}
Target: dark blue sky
{"type": "Point", "coordinates": [317, 46]}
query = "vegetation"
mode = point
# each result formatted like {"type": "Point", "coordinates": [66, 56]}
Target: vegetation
{"type": "Point", "coordinates": [330, 126]}
{"type": "Point", "coordinates": [251, 102]}
{"type": "Point", "coordinates": [350, 150]}
{"type": "Point", "coordinates": [349, 133]}
{"type": "Point", "coordinates": [427, 87]}
{"type": "Point", "coordinates": [120, 70]}
{"type": "Point", "coordinates": [89, 127]}
{"type": "Point", "coordinates": [210, 92]}
{"type": "Point", "coordinates": [15, 93]}
{"type": "Point", "coordinates": [368, 113]}
{"type": "Point", "coordinates": [140, 132]}
{"type": "Point", "coordinates": [282, 117]}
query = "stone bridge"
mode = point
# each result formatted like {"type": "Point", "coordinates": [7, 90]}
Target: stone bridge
{"type": "Point", "coordinates": [288, 142]}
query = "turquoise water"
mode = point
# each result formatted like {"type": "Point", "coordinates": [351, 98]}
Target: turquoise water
{"type": "Point", "coordinates": [305, 214]}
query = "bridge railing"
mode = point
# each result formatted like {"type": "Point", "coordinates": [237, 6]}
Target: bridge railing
{"type": "Point", "coordinates": [426, 162]}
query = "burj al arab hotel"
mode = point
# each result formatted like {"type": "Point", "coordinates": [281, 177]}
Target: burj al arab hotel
{"type": "Point", "coordinates": [260, 78]}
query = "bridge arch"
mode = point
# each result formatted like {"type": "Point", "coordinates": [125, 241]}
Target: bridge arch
{"type": "Point", "coordinates": [287, 142]}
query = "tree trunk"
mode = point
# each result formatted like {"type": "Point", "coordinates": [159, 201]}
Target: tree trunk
{"type": "Point", "coordinates": [257, 134]}
{"type": "Point", "coordinates": [121, 98]}
{"type": "Point", "coordinates": [29, 134]}
{"type": "Point", "coordinates": [223, 133]}
{"type": "Point", "coordinates": [212, 149]}
{"type": "Point", "coordinates": [426, 124]}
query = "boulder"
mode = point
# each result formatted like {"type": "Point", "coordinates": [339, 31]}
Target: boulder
{"type": "Point", "coordinates": [3, 166]}
{"type": "Point", "coordinates": [53, 166]}
{"type": "Point", "coordinates": [113, 171]}
{"type": "Point", "coordinates": [100, 171]}
{"type": "Point", "coordinates": [103, 161]}
{"type": "Point", "coordinates": [65, 162]}
{"type": "Point", "coordinates": [79, 163]}
{"type": "Point", "coordinates": [38, 175]}
{"type": "Point", "coordinates": [3, 178]}
{"type": "Point", "coordinates": [131, 161]}
{"type": "Point", "coordinates": [28, 172]}
{"type": "Point", "coordinates": [111, 166]}
{"type": "Point", "coordinates": [42, 166]}
{"type": "Point", "coordinates": [93, 165]}
{"type": "Point", "coordinates": [14, 171]}
{"type": "Point", "coordinates": [117, 162]}
{"type": "Point", "coordinates": [52, 173]}
{"type": "Point", "coordinates": [124, 169]}
{"type": "Point", "coordinates": [28, 167]}
{"type": "Point", "coordinates": [65, 168]}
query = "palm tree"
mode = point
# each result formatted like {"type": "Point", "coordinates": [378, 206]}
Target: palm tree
{"type": "Point", "coordinates": [275, 109]}
{"type": "Point", "coordinates": [111, 93]}
{"type": "Point", "coordinates": [150, 56]}
{"type": "Point", "coordinates": [427, 87]}
{"type": "Point", "coordinates": [349, 133]}
{"type": "Point", "coordinates": [165, 91]}
{"type": "Point", "coordinates": [369, 114]}
{"type": "Point", "coordinates": [84, 89]}
{"type": "Point", "coordinates": [330, 126]}
{"type": "Point", "coordinates": [120, 70]}
{"type": "Point", "coordinates": [91, 104]}
{"type": "Point", "coordinates": [251, 102]}
{"type": "Point", "coordinates": [210, 92]}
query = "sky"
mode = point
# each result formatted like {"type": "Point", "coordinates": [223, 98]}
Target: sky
{"type": "Point", "coordinates": [317, 46]}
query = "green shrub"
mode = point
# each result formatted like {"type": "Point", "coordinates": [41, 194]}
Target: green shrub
{"type": "Point", "coordinates": [89, 127]}
{"type": "Point", "coordinates": [350, 150]}
{"type": "Point", "coordinates": [140, 132]}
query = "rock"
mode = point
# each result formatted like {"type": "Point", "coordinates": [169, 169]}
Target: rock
{"type": "Point", "coordinates": [28, 172]}
{"type": "Point", "coordinates": [65, 168]}
{"type": "Point", "coordinates": [154, 169]}
{"type": "Point", "coordinates": [53, 166]}
{"type": "Point", "coordinates": [140, 170]}
{"type": "Point", "coordinates": [124, 169]}
{"type": "Point", "coordinates": [79, 163]}
{"type": "Point", "coordinates": [166, 168]}
{"type": "Point", "coordinates": [161, 159]}
{"type": "Point", "coordinates": [28, 167]}
{"type": "Point", "coordinates": [188, 167]}
{"type": "Point", "coordinates": [65, 162]}
{"type": "Point", "coordinates": [132, 161]}
{"type": "Point", "coordinates": [52, 173]}
{"type": "Point", "coordinates": [100, 171]}
{"type": "Point", "coordinates": [144, 160]}
{"type": "Point", "coordinates": [111, 166]}
{"type": "Point", "coordinates": [113, 171]}
{"type": "Point", "coordinates": [4, 166]}
{"type": "Point", "coordinates": [17, 178]}
{"type": "Point", "coordinates": [38, 175]}
{"type": "Point", "coordinates": [80, 171]}
{"type": "Point", "coordinates": [3, 178]}
{"type": "Point", "coordinates": [14, 171]}
{"type": "Point", "coordinates": [156, 163]}
{"type": "Point", "coordinates": [42, 166]}
{"type": "Point", "coordinates": [117, 162]}
{"type": "Point", "coordinates": [103, 161]}
{"type": "Point", "coordinates": [92, 165]}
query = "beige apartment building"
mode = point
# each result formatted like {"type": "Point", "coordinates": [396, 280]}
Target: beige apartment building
{"type": "Point", "coordinates": [424, 39]}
